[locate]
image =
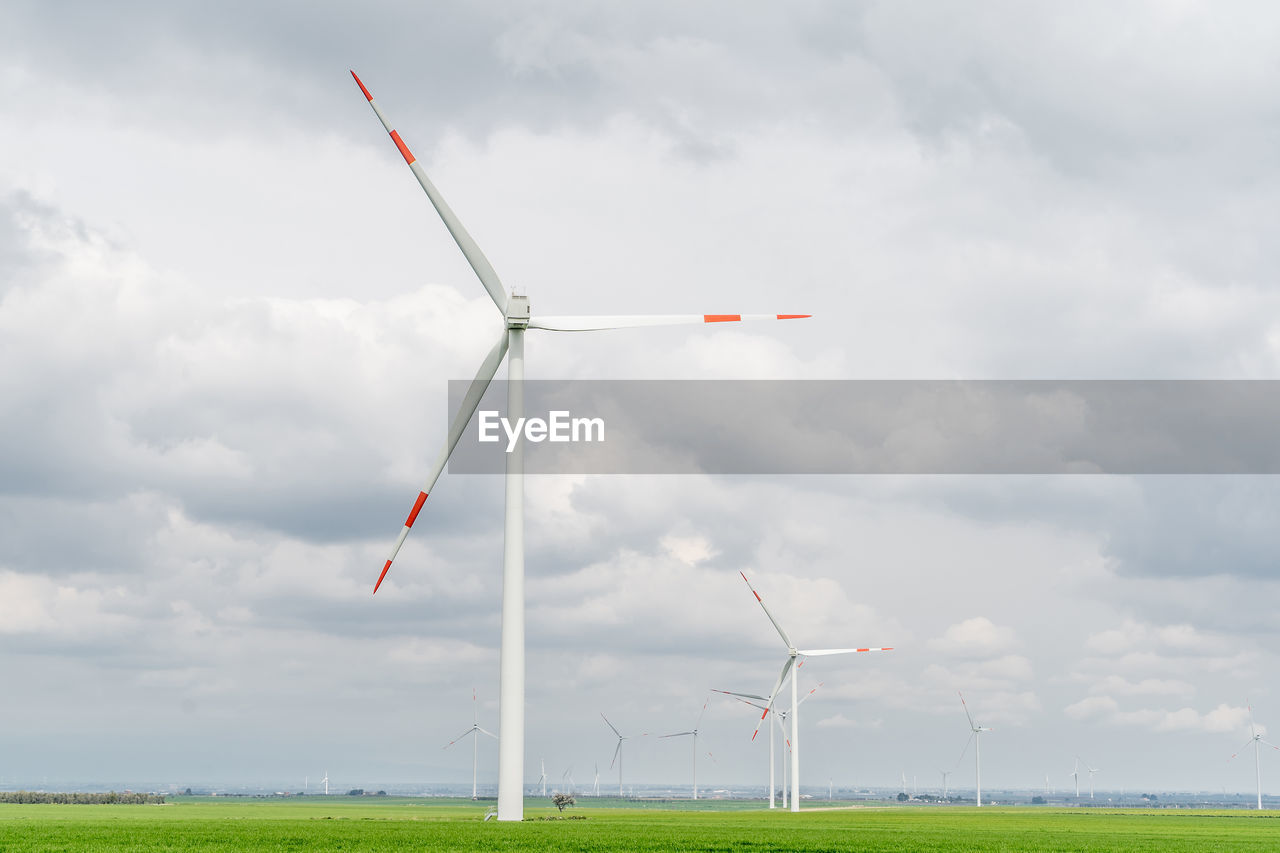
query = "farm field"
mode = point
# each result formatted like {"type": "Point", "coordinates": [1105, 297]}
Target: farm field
{"type": "Point", "coordinates": [392, 823]}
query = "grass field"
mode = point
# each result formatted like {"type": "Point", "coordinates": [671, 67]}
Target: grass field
{"type": "Point", "coordinates": [340, 823]}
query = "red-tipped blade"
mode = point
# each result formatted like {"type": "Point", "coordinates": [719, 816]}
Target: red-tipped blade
{"type": "Point", "coordinates": [361, 85]}
{"type": "Point", "coordinates": [381, 576]}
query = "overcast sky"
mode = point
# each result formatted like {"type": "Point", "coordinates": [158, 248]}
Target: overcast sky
{"type": "Point", "coordinates": [228, 316]}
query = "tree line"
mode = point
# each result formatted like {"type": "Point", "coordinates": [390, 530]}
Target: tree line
{"type": "Point", "coordinates": [127, 798]}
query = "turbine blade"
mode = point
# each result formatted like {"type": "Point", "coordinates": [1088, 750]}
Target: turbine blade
{"type": "Point", "coordinates": [747, 695]}
{"type": "Point", "coordinates": [458, 738]}
{"type": "Point", "coordinates": [816, 652]}
{"type": "Point", "coordinates": [609, 724]}
{"type": "Point", "coordinates": [810, 693]}
{"type": "Point", "coordinates": [615, 754]}
{"type": "Point", "coordinates": [1268, 743]}
{"type": "Point", "coordinates": [753, 704]}
{"type": "Point", "coordinates": [570, 323]}
{"type": "Point", "coordinates": [1247, 744]}
{"type": "Point", "coordinates": [470, 402]}
{"type": "Point", "coordinates": [479, 263]}
{"type": "Point", "coordinates": [781, 632]}
{"type": "Point", "coordinates": [966, 711]}
{"type": "Point", "coordinates": [486, 732]}
{"type": "Point", "coordinates": [972, 735]}
{"type": "Point", "coordinates": [698, 724]}
{"type": "Point", "coordinates": [782, 676]}
{"type": "Point", "coordinates": [677, 734]}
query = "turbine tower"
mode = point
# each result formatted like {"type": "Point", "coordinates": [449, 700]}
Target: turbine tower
{"type": "Point", "coordinates": [1075, 774]}
{"type": "Point", "coordinates": [976, 737]}
{"type": "Point", "coordinates": [517, 318]}
{"type": "Point", "coordinates": [694, 733]}
{"type": "Point", "coordinates": [792, 653]}
{"type": "Point", "coordinates": [945, 774]}
{"type": "Point", "coordinates": [595, 786]}
{"type": "Point", "coordinates": [475, 730]}
{"type": "Point", "coordinates": [325, 780]}
{"type": "Point", "coordinates": [1255, 738]}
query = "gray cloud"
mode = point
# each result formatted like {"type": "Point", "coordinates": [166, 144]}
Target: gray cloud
{"type": "Point", "coordinates": [227, 316]}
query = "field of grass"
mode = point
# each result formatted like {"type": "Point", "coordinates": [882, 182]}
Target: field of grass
{"type": "Point", "coordinates": [341, 823]}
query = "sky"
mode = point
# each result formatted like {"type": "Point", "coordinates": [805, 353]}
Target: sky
{"type": "Point", "coordinates": [228, 318]}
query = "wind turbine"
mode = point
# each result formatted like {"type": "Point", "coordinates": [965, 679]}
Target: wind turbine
{"type": "Point", "coordinates": [945, 774]}
{"type": "Point", "coordinates": [595, 786]}
{"type": "Point", "coordinates": [976, 737]}
{"type": "Point", "coordinates": [542, 780]}
{"type": "Point", "coordinates": [325, 780]}
{"type": "Point", "coordinates": [1256, 740]}
{"type": "Point", "coordinates": [694, 733]}
{"type": "Point", "coordinates": [516, 319]}
{"type": "Point", "coordinates": [792, 653]}
{"type": "Point", "coordinates": [1075, 774]}
{"type": "Point", "coordinates": [617, 753]}
{"type": "Point", "coordinates": [476, 730]}
{"type": "Point", "coordinates": [1091, 770]}
{"type": "Point", "coordinates": [779, 717]}
{"type": "Point", "coordinates": [567, 777]}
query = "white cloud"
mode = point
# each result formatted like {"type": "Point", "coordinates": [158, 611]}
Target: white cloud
{"type": "Point", "coordinates": [974, 636]}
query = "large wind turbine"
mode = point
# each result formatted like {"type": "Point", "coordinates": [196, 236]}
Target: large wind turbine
{"type": "Point", "coordinates": [976, 737]}
{"type": "Point", "coordinates": [792, 653]}
{"type": "Point", "coordinates": [779, 717]}
{"type": "Point", "coordinates": [617, 753]}
{"type": "Point", "coordinates": [517, 318]}
{"type": "Point", "coordinates": [475, 730]}
{"type": "Point", "coordinates": [1256, 740]}
{"type": "Point", "coordinates": [694, 733]}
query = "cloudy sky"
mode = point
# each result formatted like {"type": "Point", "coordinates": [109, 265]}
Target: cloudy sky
{"type": "Point", "coordinates": [228, 316]}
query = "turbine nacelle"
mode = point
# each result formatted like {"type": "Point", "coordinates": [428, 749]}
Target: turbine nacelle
{"type": "Point", "coordinates": [517, 312]}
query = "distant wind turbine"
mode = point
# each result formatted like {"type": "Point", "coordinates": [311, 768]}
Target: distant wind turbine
{"type": "Point", "coordinates": [1075, 774]}
{"type": "Point", "coordinates": [476, 731]}
{"type": "Point", "coordinates": [945, 774]}
{"type": "Point", "coordinates": [567, 777]}
{"type": "Point", "coordinates": [787, 666]}
{"type": "Point", "coordinates": [1257, 742]}
{"type": "Point", "coordinates": [595, 786]}
{"type": "Point", "coordinates": [976, 737]}
{"type": "Point", "coordinates": [617, 753]}
{"type": "Point", "coordinates": [694, 734]}
{"type": "Point", "coordinates": [542, 780]}
{"type": "Point", "coordinates": [325, 780]}
{"type": "Point", "coordinates": [1091, 770]}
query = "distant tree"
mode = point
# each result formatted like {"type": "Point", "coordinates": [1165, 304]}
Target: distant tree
{"type": "Point", "coordinates": [562, 800]}
{"type": "Point", "coordinates": [1038, 801]}
{"type": "Point", "coordinates": [356, 792]}
{"type": "Point", "coordinates": [381, 794]}
{"type": "Point", "coordinates": [902, 798]}
{"type": "Point", "coordinates": [186, 793]}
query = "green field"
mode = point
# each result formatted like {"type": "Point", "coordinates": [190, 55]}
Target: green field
{"type": "Point", "coordinates": [341, 823]}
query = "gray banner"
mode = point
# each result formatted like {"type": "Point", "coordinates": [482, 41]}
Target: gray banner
{"type": "Point", "coordinates": [878, 427]}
